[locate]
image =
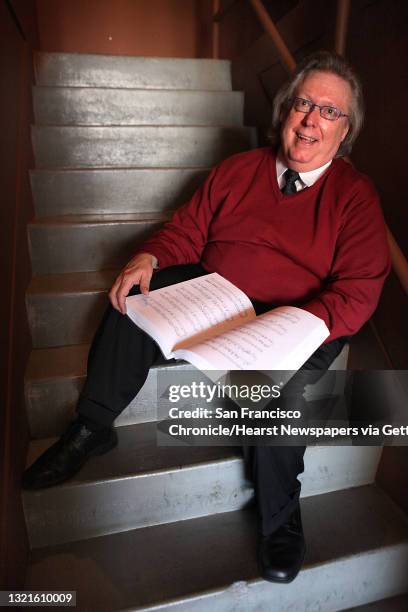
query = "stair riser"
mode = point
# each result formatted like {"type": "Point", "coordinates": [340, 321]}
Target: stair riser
{"type": "Point", "coordinates": [71, 513]}
{"type": "Point", "coordinates": [70, 192]}
{"type": "Point", "coordinates": [50, 400]}
{"type": "Point", "coordinates": [137, 146]}
{"type": "Point", "coordinates": [58, 320]}
{"type": "Point", "coordinates": [379, 574]}
{"type": "Point", "coordinates": [58, 398]}
{"type": "Point", "coordinates": [51, 403]}
{"type": "Point", "coordinates": [77, 106]}
{"type": "Point", "coordinates": [81, 70]}
{"type": "Point", "coordinates": [85, 247]}
{"type": "Point", "coordinates": [115, 506]}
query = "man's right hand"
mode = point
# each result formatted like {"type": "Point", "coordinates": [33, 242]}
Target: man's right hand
{"type": "Point", "coordinates": [138, 271]}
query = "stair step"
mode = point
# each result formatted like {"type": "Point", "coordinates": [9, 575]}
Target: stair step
{"type": "Point", "coordinates": [121, 190]}
{"type": "Point", "coordinates": [98, 106]}
{"type": "Point", "coordinates": [88, 70]}
{"type": "Point", "coordinates": [136, 484]}
{"type": "Point", "coordinates": [65, 309]}
{"type": "Point", "coordinates": [209, 563]}
{"type": "Point", "coordinates": [88, 242]}
{"type": "Point", "coordinates": [55, 376]}
{"type": "Point", "coordinates": [54, 379]}
{"type": "Point", "coordinates": [147, 526]}
{"type": "Point", "coordinates": [141, 483]}
{"type": "Point", "coordinates": [153, 146]}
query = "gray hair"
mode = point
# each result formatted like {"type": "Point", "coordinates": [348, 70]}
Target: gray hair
{"type": "Point", "coordinates": [324, 61]}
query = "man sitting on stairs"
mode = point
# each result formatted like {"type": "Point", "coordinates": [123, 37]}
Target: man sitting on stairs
{"type": "Point", "coordinates": [289, 225]}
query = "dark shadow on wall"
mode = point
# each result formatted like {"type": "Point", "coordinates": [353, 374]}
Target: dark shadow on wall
{"type": "Point", "coordinates": [18, 35]}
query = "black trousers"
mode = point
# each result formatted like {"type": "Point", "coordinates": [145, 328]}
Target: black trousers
{"type": "Point", "coordinates": [118, 364]}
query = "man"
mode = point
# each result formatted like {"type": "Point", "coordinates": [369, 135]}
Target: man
{"type": "Point", "coordinates": [296, 225]}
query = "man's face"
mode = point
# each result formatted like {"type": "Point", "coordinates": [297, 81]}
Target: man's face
{"type": "Point", "coordinates": [309, 141]}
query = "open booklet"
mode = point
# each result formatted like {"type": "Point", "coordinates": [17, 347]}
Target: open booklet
{"type": "Point", "coordinates": [212, 324]}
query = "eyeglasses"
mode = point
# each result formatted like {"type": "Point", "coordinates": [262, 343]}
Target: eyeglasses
{"type": "Point", "coordinates": [331, 113]}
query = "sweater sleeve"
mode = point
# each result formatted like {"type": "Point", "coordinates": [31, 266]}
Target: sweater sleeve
{"type": "Point", "coordinates": [360, 266]}
{"type": "Point", "coordinates": [182, 239]}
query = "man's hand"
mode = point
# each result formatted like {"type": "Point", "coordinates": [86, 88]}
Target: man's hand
{"type": "Point", "coordinates": [138, 271]}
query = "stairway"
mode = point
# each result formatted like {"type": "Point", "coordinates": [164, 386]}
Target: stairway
{"type": "Point", "coordinates": [119, 142]}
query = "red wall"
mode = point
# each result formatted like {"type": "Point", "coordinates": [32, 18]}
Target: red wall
{"type": "Point", "coordinates": [164, 28]}
{"type": "Point", "coordinates": [15, 211]}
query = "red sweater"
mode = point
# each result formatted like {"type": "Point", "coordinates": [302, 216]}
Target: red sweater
{"type": "Point", "coordinates": [323, 249]}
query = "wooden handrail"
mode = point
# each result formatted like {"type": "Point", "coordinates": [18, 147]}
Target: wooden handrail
{"type": "Point", "coordinates": [398, 259]}
{"type": "Point", "coordinates": [343, 8]}
{"type": "Point", "coordinates": [215, 30]}
{"type": "Point", "coordinates": [285, 55]}
{"type": "Point", "coordinates": [15, 18]}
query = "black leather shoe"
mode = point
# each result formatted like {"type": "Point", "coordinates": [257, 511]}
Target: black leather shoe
{"type": "Point", "coordinates": [281, 553]}
{"type": "Point", "coordinates": [64, 458]}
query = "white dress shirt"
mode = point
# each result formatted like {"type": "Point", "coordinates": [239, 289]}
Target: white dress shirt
{"type": "Point", "coordinates": [306, 178]}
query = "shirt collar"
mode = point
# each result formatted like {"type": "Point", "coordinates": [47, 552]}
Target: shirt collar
{"type": "Point", "coordinates": [307, 178]}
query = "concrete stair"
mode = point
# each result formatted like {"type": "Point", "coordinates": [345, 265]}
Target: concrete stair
{"type": "Point", "coordinates": [100, 241]}
{"type": "Point", "coordinates": [120, 142]}
{"type": "Point", "coordinates": [55, 376]}
{"type": "Point", "coordinates": [140, 483]}
{"type": "Point", "coordinates": [66, 308]}
{"type": "Point", "coordinates": [97, 106]}
{"type": "Point", "coordinates": [54, 379]}
{"type": "Point", "coordinates": [209, 563]}
{"type": "Point", "coordinates": [141, 146]}
{"type": "Point", "coordinates": [112, 190]}
{"type": "Point", "coordinates": [82, 70]}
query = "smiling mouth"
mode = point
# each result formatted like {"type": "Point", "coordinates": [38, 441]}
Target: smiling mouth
{"type": "Point", "coordinates": [306, 139]}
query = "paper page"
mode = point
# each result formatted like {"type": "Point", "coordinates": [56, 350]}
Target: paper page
{"type": "Point", "coordinates": [282, 339]}
{"type": "Point", "coordinates": [190, 311]}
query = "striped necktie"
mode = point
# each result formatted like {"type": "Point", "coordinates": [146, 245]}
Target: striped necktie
{"type": "Point", "coordinates": [290, 179]}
